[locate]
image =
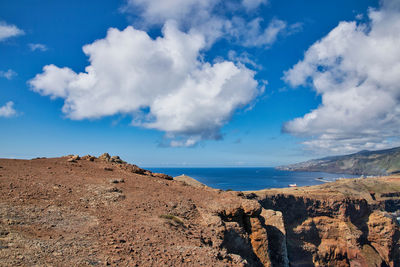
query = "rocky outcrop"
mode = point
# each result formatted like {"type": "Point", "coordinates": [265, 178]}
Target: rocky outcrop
{"type": "Point", "coordinates": [333, 230]}
{"type": "Point", "coordinates": [241, 231]}
{"type": "Point", "coordinates": [116, 159]}
{"type": "Point", "coordinates": [162, 176]}
{"type": "Point", "coordinates": [249, 231]}
{"type": "Point", "coordinates": [189, 181]}
{"type": "Point", "coordinates": [383, 236]}
{"type": "Point", "coordinates": [88, 157]}
{"type": "Point", "coordinates": [275, 228]}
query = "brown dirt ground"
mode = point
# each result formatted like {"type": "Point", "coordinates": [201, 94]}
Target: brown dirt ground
{"type": "Point", "coordinates": [55, 212]}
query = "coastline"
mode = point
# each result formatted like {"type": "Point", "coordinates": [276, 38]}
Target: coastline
{"type": "Point", "coordinates": [242, 179]}
{"type": "Point", "coordinates": [81, 210]}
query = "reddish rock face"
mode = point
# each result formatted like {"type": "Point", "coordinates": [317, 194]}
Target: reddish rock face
{"type": "Point", "coordinates": [384, 237]}
{"type": "Point", "coordinates": [329, 228]}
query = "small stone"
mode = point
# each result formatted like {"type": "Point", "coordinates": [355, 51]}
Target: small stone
{"type": "Point", "coordinates": [117, 181]}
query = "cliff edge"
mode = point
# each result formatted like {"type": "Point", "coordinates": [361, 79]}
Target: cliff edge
{"type": "Point", "coordinates": [350, 222]}
{"type": "Point", "coordinates": [89, 211]}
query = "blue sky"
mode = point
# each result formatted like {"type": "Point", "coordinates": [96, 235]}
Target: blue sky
{"type": "Point", "coordinates": [198, 83]}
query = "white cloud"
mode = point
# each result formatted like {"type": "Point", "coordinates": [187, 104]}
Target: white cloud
{"type": "Point", "coordinates": [294, 28]}
{"type": "Point", "coordinates": [251, 34]}
{"type": "Point", "coordinates": [253, 4]}
{"type": "Point", "coordinates": [9, 74]}
{"type": "Point", "coordinates": [356, 70]}
{"type": "Point", "coordinates": [8, 31]}
{"type": "Point", "coordinates": [7, 110]}
{"type": "Point", "coordinates": [40, 47]}
{"type": "Point", "coordinates": [160, 11]}
{"type": "Point", "coordinates": [210, 18]}
{"type": "Point", "coordinates": [191, 12]}
{"type": "Point", "coordinates": [163, 83]}
{"type": "Point", "coordinates": [243, 58]}
{"type": "Point", "coordinates": [359, 16]}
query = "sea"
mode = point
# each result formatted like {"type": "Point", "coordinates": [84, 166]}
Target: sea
{"type": "Point", "coordinates": [247, 179]}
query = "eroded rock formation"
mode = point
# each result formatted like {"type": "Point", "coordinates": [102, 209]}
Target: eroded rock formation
{"type": "Point", "coordinates": [85, 211]}
{"type": "Point", "coordinates": [327, 228]}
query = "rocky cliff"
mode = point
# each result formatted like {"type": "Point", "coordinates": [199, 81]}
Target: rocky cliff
{"type": "Point", "coordinates": [347, 223]}
{"type": "Point", "coordinates": [88, 211]}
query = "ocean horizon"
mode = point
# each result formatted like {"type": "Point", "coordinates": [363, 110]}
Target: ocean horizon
{"type": "Point", "coordinates": [250, 178]}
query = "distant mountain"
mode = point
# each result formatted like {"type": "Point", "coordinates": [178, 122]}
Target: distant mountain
{"type": "Point", "coordinates": [380, 162]}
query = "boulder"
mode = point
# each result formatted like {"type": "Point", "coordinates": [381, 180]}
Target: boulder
{"type": "Point", "coordinates": [75, 157]}
{"type": "Point", "coordinates": [88, 157]}
{"type": "Point", "coordinates": [116, 159]}
{"type": "Point", "coordinates": [105, 157]}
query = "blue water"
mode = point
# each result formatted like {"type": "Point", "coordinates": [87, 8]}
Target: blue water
{"type": "Point", "coordinates": [242, 179]}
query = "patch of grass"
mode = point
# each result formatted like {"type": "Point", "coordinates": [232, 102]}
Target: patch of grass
{"type": "Point", "coordinates": [228, 190]}
{"type": "Point", "coordinates": [172, 218]}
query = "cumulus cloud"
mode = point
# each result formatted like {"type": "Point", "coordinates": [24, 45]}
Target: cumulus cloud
{"type": "Point", "coordinates": [8, 31]}
{"type": "Point", "coordinates": [162, 83]}
{"type": "Point", "coordinates": [186, 11]}
{"type": "Point", "coordinates": [9, 74]}
{"type": "Point", "coordinates": [160, 11]}
{"type": "Point", "coordinates": [40, 47]}
{"type": "Point", "coordinates": [356, 71]}
{"type": "Point", "coordinates": [8, 110]}
{"type": "Point", "coordinates": [210, 18]}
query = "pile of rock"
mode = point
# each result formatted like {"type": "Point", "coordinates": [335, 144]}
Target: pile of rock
{"type": "Point", "coordinates": [123, 165]}
{"type": "Point", "coordinates": [104, 157]}
{"type": "Point", "coordinates": [89, 158]}
{"type": "Point", "coordinates": [134, 169]}
{"type": "Point", "coordinates": [73, 158]}
{"type": "Point", "coordinates": [108, 158]}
